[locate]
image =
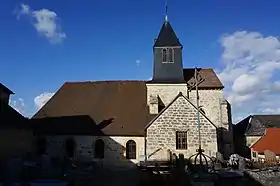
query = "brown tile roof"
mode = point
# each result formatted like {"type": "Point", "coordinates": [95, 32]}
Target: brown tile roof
{"type": "Point", "coordinates": [123, 102]}
{"type": "Point", "coordinates": [211, 79]}
{"type": "Point", "coordinates": [76, 125]}
{"type": "Point", "coordinates": [269, 141]}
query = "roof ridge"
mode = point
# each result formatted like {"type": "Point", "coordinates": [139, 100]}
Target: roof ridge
{"type": "Point", "coordinates": [206, 68]}
{"type": "Point", "coordinates": [103, 81]}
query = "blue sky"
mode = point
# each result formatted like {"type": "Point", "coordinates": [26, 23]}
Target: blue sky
{"type": "Point", "coordinates": [102, 39]}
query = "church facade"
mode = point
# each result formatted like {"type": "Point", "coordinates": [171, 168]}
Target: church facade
{"type": "Point", "coordinates": [123, 122]}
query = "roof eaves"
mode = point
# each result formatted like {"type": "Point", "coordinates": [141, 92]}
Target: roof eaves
{"type": "Point", "coordinates": [6, 89]}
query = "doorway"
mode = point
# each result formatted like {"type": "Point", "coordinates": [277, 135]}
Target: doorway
{"type": "Point", "coordinates": [70, 147]}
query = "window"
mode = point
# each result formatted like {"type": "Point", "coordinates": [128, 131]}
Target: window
{"type": "Point", "coordinates": [99, 149]}
{"type": "Point", "coordinates": [181, 140]}
{"type": "Point", "coordinates": [167, 55]}
{"type": "Point", "coordinates": [254, 154]}
{"type": "Point", "coordinates": [164, 55]}
{"type": "Point", "coordinates": [170, 55]}
{"type": "Point", "coordinates": [131, 150]}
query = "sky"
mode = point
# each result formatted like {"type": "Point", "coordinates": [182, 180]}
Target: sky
{"type": "Point", "coordinates": [46, 43]}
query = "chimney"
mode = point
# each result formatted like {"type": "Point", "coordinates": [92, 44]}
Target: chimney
{"type": "Point", "coordinates": [153, 102]}
{"type": "Point", "coordinates": [5, 94]}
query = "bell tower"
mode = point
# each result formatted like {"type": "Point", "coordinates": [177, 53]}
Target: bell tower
{"type": "Point", "coordinates": [168, 65]}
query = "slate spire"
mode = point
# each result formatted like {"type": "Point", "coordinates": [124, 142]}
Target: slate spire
{"type": "Point", "coordinates": [167, 36]}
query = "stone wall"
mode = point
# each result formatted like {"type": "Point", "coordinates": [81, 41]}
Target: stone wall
{"type": "Point", "coordinates": [212, 101]}
{"type": "Point", "coordinates": [180, 116]}
{"type": "Point", "coordinates": [213, 104]}
{"type": "Point", "coordinates": [266, 177]}
{"type": "Point", "coordinates": [114, 153]}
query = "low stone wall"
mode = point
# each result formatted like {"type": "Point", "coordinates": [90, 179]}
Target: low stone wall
{"type": "Point", "coordinates": [267, 177]}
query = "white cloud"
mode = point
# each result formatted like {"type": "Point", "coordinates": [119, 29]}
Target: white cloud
{"type": "Point", "coordinates": [18, 105]}
{"type": "Point", "coordinates": [42, 99]}
{"type": "Point", "coordinates": [251, 65]}
{"type": "Point", "coordinates": [45, 21]}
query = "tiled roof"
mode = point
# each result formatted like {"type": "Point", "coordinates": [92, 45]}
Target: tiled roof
{"type": "Point", "coordinates": [124, 103]}
{"type": "Point", "coordinates": [211, 79]}
{"type": "Point", "coordinates": [270, 141]}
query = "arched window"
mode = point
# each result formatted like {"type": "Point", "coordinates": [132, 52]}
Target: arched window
{"type": "Point", "coordinates": [170, 55]}
{"type": "Point", "coordinates": [99, 149]}
{"type": "Point", "coordinates": [70, 147]}
{"type": "Point", "coordinates": [131, 150]}
{"type": "Point", "coordinates": [164, 55]}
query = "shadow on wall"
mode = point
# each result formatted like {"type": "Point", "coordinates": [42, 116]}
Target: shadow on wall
{"type": "Point", "coordinates": [80, 138]}
{"type": "Point", "coordinates": [225, 136]}
{"type": "Point", "coordinates": [239, 138]}
{"type": "Point", "coordinates": [241, 147]}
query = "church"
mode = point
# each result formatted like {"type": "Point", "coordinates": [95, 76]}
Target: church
{"type": "Point", "coordinates": [125, 122]}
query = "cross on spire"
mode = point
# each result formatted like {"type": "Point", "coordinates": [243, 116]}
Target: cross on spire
{"type": "Point", "coordinates": [166, 9]}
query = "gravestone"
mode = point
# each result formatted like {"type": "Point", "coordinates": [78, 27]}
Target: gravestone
{"type": "Point", "coordinates": [242, 163]}
{"type": "Point", "coordinates": [219, 157]}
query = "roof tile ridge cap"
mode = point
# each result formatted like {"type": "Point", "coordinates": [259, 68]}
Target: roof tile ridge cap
{"type": "Point", "coordinates": [76, 82]}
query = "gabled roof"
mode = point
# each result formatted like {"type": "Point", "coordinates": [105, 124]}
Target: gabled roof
{"type": "Point", "coordinates": [5, 89]}
{"type": "Point", "coordinates": [122, 102]}
{"type": "Point", "coordinates": [211, 79]}
{"type": "Point", "coordinates": [179, 95]}
{"type": "Point", "coordinates": [255, 125]}
{"type": "Point", "coordinates": [269, 141]}
{"type": "Point", "coordinates": [167, 36]}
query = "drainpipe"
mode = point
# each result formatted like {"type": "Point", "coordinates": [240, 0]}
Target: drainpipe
{"type": "Point", "coordinates": [145, 145]}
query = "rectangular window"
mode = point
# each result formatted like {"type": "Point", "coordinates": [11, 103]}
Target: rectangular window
{"type": "Point", "coordinates": [181, 140]}
{"type": "Point", "coordinates": [254, 154]}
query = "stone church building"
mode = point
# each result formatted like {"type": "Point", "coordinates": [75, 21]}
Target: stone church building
{"type": "Point", "coordinates": [123, 122]}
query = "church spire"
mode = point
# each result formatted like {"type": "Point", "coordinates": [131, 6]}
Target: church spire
{"type": "Point", "coordinates": [167, 36]}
